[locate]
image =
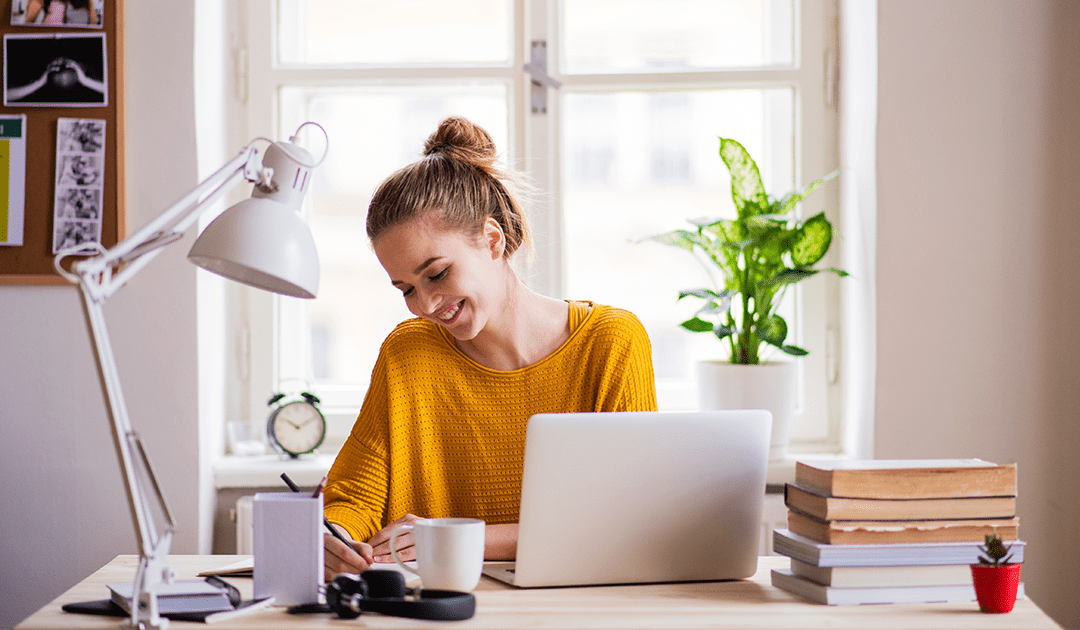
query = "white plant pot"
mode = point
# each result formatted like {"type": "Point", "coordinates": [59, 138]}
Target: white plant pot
{"type": "Point", "coordinates": [769, 386]}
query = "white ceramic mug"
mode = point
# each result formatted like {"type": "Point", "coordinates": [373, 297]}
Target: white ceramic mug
{"type": "Point", "coordinates": [449, 552]}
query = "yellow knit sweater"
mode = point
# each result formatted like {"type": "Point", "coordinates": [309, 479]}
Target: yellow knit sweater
{"type": "Point", "coordinates": [441, 435]}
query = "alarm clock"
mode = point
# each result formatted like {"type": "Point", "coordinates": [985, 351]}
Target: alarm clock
{"type": "Point", "coordinates": [296, 427]}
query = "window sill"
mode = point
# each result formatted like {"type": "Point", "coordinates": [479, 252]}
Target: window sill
{"type": "Point", "coordinates": [264, 471]}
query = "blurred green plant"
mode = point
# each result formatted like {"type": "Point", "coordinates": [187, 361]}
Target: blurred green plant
{"type": "Point", "coordinates": [995, 552]}
{"type": "Point", "coordinates": [760, 253]}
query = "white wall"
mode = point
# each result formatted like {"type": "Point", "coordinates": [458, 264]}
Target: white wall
{"type": "Point", "coordinates": [978, 224]}
{"type": "Point", "coordinates": [63, 512]}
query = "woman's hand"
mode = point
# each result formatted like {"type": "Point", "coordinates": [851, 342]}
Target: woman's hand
{"type": "Point", "coordinates": [341, 558]}
{"type": "Point", "coordinates": [500, 542]}
{"type": "Point", "coordinates": [406, 543]}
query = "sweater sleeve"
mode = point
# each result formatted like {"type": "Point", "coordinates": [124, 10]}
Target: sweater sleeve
{"type": "Point", "coordinates": [621, 346]}
{"type": "Point", "coordinates": [357, 485]}
{"type": "Point", "coordinates": [639, 387]}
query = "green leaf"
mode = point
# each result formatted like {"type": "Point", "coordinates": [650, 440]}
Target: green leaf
{"type": "Point", "coordinates": [723, 332]}
{"type": "Point", "coordinates": [678, 238]}
{"type": "Point", "coordinates": [747, 191]}
{"type": "Point", "coordinates": [721, 305]}
{"type": "Point", "coordinates": [790, 200]}
{"type": "Point", "coordinates": [773, 330]}
{"type": "Point", "coordinates": [812, 241]}
{"type": "Point", "coordinates": [790, 276]}
{"type": "Point", "coordinates": [695, 324]}
{"type": "Point", "coordinates": [794, 351]}
{"type": "Point", "coordinates": [705, 294]}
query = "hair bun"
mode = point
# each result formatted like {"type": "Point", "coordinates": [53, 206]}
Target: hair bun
{"type": "Point", "coordinates": [459, 138]}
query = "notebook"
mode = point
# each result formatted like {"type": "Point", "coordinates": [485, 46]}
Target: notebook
{"type": "Point", "coordinates": [639, 497]}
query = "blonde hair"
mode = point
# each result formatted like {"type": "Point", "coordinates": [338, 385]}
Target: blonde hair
{"type": "Point", "coordinates": [459, 179]}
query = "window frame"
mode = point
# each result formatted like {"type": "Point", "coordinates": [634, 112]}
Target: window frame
{"type": "Point", "coordinates": [256, 318]}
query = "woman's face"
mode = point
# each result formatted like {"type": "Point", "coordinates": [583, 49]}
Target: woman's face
{"type": "Point", "coordinates": [447, 276]}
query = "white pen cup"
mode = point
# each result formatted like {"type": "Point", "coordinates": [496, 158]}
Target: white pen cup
{"type": "Point", "coordinates": [449, 552]}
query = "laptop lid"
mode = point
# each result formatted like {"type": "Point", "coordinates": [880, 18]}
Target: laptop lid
{"type": "Point", "coordinates": [632, 497]}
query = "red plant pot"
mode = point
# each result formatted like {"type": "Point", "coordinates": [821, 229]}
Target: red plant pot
{"type": "Point", "coordinates": [995, 587]}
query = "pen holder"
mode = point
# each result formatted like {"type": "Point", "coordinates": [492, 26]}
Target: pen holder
{"type": "Point", "coordinates": [288, 547]}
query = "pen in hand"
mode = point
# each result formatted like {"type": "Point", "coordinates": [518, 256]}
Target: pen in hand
{"type": "Point", "coordinates": [318, 489]}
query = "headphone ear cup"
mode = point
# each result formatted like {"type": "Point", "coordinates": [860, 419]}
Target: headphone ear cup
{"type": "Point", "coordinates": [384, 584]}
{"type": "Point", "coordinates": [343, 594]}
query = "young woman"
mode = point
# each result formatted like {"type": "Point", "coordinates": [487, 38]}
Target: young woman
{"type": "Point", "coordinates": [442, 429]}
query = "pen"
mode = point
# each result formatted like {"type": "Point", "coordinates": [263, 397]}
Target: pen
{"type": "Point", "coordinates": [318, 489]}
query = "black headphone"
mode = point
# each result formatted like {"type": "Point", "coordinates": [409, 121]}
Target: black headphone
{"type": "Point", "coordinates": [384, 592]}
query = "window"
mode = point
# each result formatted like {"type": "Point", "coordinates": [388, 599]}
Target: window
{"type": "Point", "coordinates": [625, 148]}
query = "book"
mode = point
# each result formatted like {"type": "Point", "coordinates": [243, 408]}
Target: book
{"type": "Point", "coordinates": [838, 596]}
{"type": "Point", "coordinates": [827, 507]}
{"type": "Point", "coordinates": [907, 478]}
{"type": "Point", "coordinates": [182, 596]}
{"type": "Point", "coordinates": [885, 576]}
{"type": "Point", "coordinates": [792, 545]}
{"type": "Point", "coordinates": [880, 532]}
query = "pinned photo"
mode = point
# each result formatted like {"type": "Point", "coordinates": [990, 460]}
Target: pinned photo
{"type": "Point", "coordinates": [71, 234]}
{"type": "Point", "coordinates": [78, 170]}
{"type": "Point", "coordinates": [57, 70]}
{"type": "Point", "coordinates": [81, 136]}
{"type": "Point", "coordinates": [80, 182]}
{"type": "Point", "coordinates": [58, 13]}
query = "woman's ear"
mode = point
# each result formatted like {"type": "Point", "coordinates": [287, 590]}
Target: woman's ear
{"type": "Point", "coordinates": [494, 238]}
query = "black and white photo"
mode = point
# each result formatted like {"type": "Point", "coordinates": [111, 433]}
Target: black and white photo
{"type": "Point", "coordinates": [80, 182]}
{"type": "Point", "coordinates": [56, 70]}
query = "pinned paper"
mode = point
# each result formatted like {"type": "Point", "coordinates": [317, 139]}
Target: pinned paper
{"type": "Point", "coordinates": [12, 178]}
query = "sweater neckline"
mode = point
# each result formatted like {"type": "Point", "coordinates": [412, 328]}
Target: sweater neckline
{"type": "Point", "coordinates": [448, 339]}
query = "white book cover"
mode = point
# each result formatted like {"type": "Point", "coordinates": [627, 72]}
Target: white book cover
{"type": "Point", "coordinates": [180, 596]}
{"type": "Point", "coordinates": [881, 577]}
{"type": "Point", "coordinates": [792, 545]}
{"type": "Point", "coordinates": [837, 596]}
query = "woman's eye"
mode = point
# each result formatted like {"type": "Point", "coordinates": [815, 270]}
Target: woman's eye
{"type": "Point", "coordinates": [438, 276]}
{"type": "Point", "coordinates": [407, 292]}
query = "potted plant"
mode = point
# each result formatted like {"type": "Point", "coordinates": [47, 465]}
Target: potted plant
{"type": "Point", "coordinates": [996, 579]}
{"type": "Point", "coordinates": [758, 255]}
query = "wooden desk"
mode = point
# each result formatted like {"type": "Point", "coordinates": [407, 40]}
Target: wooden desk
{"type": "Point", "coordinates": [752, 603]}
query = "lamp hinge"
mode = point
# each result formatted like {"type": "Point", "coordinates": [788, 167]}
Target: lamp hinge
{"type": "Point", "coordinates": [541, 81]}
{"type": "Point", "coordinates": [241, 72]}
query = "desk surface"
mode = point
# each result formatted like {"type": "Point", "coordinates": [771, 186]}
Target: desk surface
{"type": "Point", "coordinates": [740, 604]}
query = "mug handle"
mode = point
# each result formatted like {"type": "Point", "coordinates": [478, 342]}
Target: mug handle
{"type": "Point", "coordinates": [401, 529]}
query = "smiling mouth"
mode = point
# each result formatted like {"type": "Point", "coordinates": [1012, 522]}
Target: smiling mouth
{"type": "Point", "coordinates": [449, 314]}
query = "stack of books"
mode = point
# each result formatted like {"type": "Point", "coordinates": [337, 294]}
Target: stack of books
{"type": "Point", "coordinates": [893, 531]}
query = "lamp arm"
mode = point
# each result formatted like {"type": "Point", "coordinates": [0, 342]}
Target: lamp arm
{"type": "Point", "coordinates": [129, 256]}
{"type": "Point", "coordinates": [98, 278]}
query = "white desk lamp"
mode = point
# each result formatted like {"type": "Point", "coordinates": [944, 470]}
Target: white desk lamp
{"type": "Point", "coordinates": [262, 241]}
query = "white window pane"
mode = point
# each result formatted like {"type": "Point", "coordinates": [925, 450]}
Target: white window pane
{"type": "Point", "coordinates": [399, 32]}
{"type": "Point", "coordinates": [638, 164]}
{"type": "Point", "coordinates": [373, 132]}
{"type": "Point", "coordinates": [604, 36]}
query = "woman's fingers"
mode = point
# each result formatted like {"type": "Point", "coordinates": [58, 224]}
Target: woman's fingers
{"type": "Point", "coordinates": [380, 542]}
{"type": "Point", "coordinates": [341, 558]}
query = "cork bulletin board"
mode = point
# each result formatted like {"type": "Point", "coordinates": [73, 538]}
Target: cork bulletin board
{"type": "Point", "coordinates": [92, 35]}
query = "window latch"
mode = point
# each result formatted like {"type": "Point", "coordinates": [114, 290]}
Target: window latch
{"type": "Point", "coordinates": [541, 81]}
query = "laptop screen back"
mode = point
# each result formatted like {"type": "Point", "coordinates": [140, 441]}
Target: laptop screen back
{"type": "Point", "coordinates": [610, 498]}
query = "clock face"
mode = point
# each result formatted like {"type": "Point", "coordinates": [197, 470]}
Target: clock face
{"type": "Point", "coordinates": [298, 427]}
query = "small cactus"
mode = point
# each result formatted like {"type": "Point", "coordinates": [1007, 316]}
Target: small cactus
{"type": "Point", "coordinates": [997, 552]}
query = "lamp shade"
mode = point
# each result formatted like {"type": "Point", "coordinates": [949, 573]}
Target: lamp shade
{"type": "Point", "coordinates": [262, 243]}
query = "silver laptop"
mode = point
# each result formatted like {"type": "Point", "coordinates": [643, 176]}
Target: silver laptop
{"type": "Point", "coordinates": [639, 497]}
